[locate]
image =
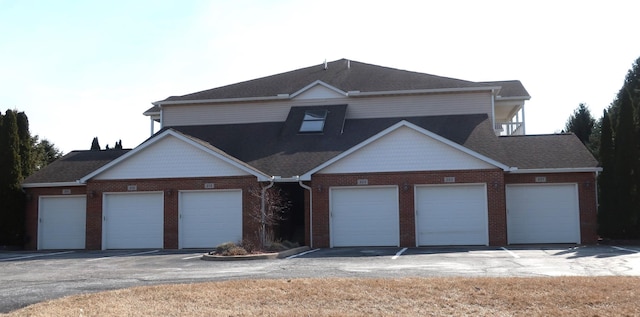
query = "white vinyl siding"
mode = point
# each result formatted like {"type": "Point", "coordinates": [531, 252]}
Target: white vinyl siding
{"type": "Point", "coordinates": [451, 215]}
{"type": "Point", "coordinates": [543, 213]}
{"type": "Point", "coordinates": [170, 158]}
{"type": "Point", "coordinates": [359, 108]}
{"type": "Point", "coordinates": [62, 223]}
{"type": "Point", "coordinates": [364, 216]}
{"type": "Point", "coordinates": [405, 149]}
{"type": "Point", "coordinates": [209, 218]}
{"type": "Point", "coordinates": [133, 221]}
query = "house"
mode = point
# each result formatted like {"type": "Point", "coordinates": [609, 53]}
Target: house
{"type": "Point", "coordinates": [368, 156]}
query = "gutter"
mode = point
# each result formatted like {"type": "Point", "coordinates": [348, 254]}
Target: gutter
{"type": "Point", "coordinates": [60, 184]}
{"type": "Point", "coordinates": [353, 93]}
{"type": "Point", "coordinates": [557, 170]}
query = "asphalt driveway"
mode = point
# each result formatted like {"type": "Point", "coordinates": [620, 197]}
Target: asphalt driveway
{"type": "Point", "coordinates": [30, 277]}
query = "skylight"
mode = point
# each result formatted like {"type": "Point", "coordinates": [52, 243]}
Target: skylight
{"type": "Point", "coordinates": [313, 121]}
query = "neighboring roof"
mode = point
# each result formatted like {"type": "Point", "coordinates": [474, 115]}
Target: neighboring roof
{"type": "Point", "coordinates": [278, 150]}
{"type": "Point", "coordinates": [510, 89]}
{"type": "Point", "coordinates": [342, 74]}
{"type": "Point", "coordinates": [553, 151]}
{"type": "Point", "coordinates": [73, 166]}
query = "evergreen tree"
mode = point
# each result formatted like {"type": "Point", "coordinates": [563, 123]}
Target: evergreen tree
{"type": "Point", "coordinates": [118, 145]}
{"type": "Point", "coordinates": [581, 123]}
{"type": "Point", "coordinates": [45, 152]}
{"type": "Point", "coordinates": [626, 157]}
{"type": "Point", "coordinates": [95, 145]}
{"type": "Point", "coordinates": [12, 206]}
{"type": "Point", "coordinates": [606, 181]}
{"type": "Point", "coordinates": [26, 145]}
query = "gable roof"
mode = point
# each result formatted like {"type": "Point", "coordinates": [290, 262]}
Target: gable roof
{"type": "Point", "coordinates": [213, 151]}
{"type": "Point", "coordinates": [510, 89]}
{"type": "Point", "coordinates": [343, 74]}
{"type": "Point", "coordinates": [547, 152]}
{"type": "Point", "coordinates": [276, 148]}
{"type": "Point", "coordinates": [68, 169]}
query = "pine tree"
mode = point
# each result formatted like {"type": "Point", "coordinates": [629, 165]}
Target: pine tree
{"type": "Point", "coordinates": [581, 123]}
{"type": "Point", "coordinates": [626, 157]}
{"type": "Point", "coordinates": [606, 181]}
{"type": "Point", "coordinates": [26, 145]}
{"type": "Point", "coordinates": [95, 145]}
{"type": "Point", "coordinates": [12, 206]}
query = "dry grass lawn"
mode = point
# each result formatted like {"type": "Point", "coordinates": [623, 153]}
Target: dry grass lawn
{"type": "Point", "coordinates": [564, 296]}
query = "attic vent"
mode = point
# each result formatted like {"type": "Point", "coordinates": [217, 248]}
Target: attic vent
{"type": "Point", "coordinates": [313, 121]}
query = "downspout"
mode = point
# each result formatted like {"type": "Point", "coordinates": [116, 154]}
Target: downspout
{"type": "Point", "coordinates": [263, 211]}
{"type": "Point", "coordinates": [310, 210]}
{"type": "Point", "coordinates": [493, 110]}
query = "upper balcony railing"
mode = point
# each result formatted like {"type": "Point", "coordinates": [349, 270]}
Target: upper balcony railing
{"type": "Point", "coordinates": [510, 128]}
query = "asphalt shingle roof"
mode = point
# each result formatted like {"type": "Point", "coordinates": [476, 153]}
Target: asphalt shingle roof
{"type": "Point", "coordinates": [277, 148]}
{"type": "Point", "coordinates": [73, 166]}
{"type": "Point", "coordinates": [546, 151]}
{"type": "Point", "coordinates": [342, 74]}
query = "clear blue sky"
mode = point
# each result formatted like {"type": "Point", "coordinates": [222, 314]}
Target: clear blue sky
{"type": "Point", "coordinates": [81, 69]}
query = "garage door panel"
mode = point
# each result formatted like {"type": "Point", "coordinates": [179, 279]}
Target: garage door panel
{"type": "Point", "coordinates": [546, 213]}
{"type": "Point", "coordinates": [451, 215]}
{"type": "Point", "coordinates": [209, 218]}
{"type": "Point", "coordinates": [133, 221]}
{"type": "Point", "coordinates": [366, 216]}
{"type": "Point", "coordinates": [62, 222]}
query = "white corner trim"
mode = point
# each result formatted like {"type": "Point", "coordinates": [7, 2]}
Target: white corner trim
{"type": "Point", "coordinates": [60, 184]}
{"type": "Point", "coordinates": [317, 83]}
{"type": "Point", "coordinates": [307, 176]}
{"type": "Point", "coordinates": [224, 157]}
{"type": "Point", "coordinates": [557, 170]}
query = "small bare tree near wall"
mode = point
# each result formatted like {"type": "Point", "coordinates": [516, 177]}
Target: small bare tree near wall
{"type": "Point", "coordinates": [275, 207]}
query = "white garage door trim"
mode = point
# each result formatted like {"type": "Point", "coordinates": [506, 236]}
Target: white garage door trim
{"type": "Point", "coordinates": [558, 228]}
{"type": "Point", "coordinates": [206, 221]}
{"type": "Point", "coordinates": [351, 229]}
{"type": "Point", "coordinates": [62, 222]}
{"type": "Point", "coordinates": [470, 223]}
{"type": "Point", "coordinates": [135, 222]}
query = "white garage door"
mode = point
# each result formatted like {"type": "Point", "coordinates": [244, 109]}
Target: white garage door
{"type": "Point", "coordinates": [452, 215]}
{"type": "Point", "coordinates": [62, 223]}
{"type": "Point", "coordinates": [543, 213]}
{"type": "Point", "coordinates": [364, 216]}
{"type": "Point", "coordinates": [133, 221]}
{"type": "Point", "coordinates": [209, 218]}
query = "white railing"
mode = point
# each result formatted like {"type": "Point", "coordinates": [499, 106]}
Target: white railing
{"type": "Point", "coordinates": [510, 128]}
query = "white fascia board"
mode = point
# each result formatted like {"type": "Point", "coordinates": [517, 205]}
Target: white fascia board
{"type": "Point", "coordinates": [316, 83]}
{"type": "Point", "coordinates": [500, 98]}
{"type": "Point", "coordinates": [557, 170]}
{"type": "Point", "coordinates": [184, 102]}
{"type": "Point", "coordinates": [307, 176]}
{"type": "Point", "coordinates": [60, 184]}
{"type": "Point", "coordinates": [420, 91]}
{"type": "Point", "coordinates": [261, 176]}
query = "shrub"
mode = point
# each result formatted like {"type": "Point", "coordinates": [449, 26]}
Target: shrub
{"type": "Point", "coordinates": [224, 247]}
{"type": "Point", "coordinates": [248, 245]}
{"type": "Point", "coordinates": [236, 250]}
